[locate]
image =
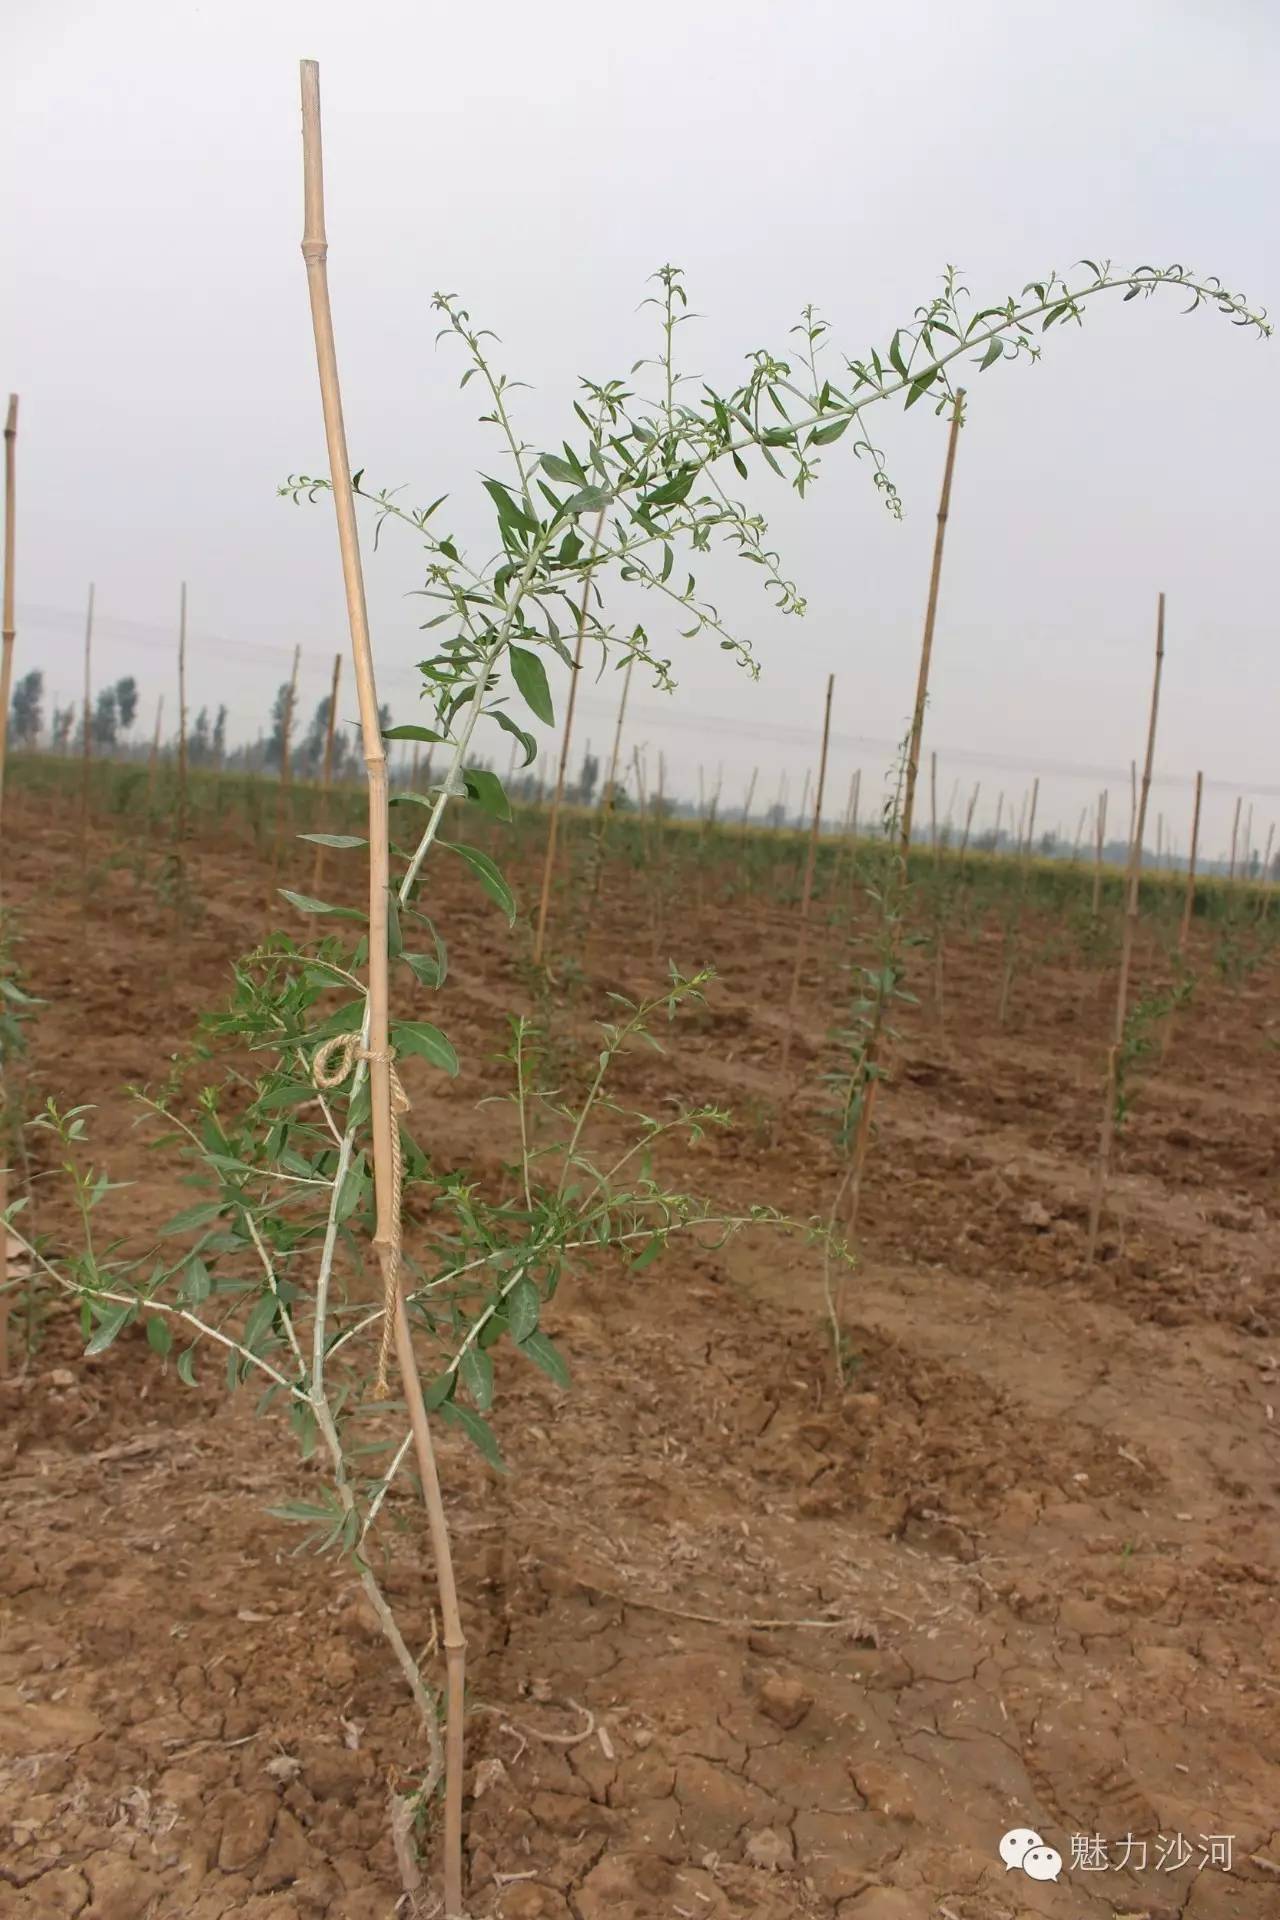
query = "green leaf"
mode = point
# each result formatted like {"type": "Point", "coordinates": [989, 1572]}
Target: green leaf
{"type": "Point", "coordinates": [108, 1327]}
{"type": "Point", "coordinates": [159, 1338]}
{"type": "Point", "coordinates": [823, 436]}
{"type": "Point", "coordinates": [194, 1217]}
{"type": "Point", "coordinates": [524, 1303]}
{"type": "Point", "coordinates": [994, 352]}
{"type": "Point", "coordinates": [488, 875]}
{"type": "Point", "coordinates": [354, 1187]}
{"type": "Point", "coordinates": [477, 1431]}
{"type": "Point", "coordinates": [557, 469]}
{"type": "Point", "coordinates": [476, 1371]}
{"type": "Point", "coordinates": [413, 733]}
{"type": "Point", "coordinates": [334, 839]}
{"type": "Point", "coordinates": [511, 515]}
{"type": "Point", "coordinates": [487, 791]}
{"type": "Point", "coordinates": [305, 904]}
{"type": "Point", "coordinates": [544, 1355]}
{"type": "Point", "coordinates": [921, 386]}
{"type": "Point", "coordinates": [418, 1036]}
{"type": "Point", "coordinates": [440, 1390]}
{"type": "Point", "coordinates": [526, 740]}
{"type": "Point", "coordinates": [197, 1284]}
{"type": "Point", "coordinates": [426, 971]}
{"type": "Point", "coordinates": [187, 1367]}
{"type": "Point", "coordinates": [531, 678]}
{"type": "Point", "coordinates": [648, 1253]}
{"type": "Point", "coordinates": [258, 1322]}
{"type": "Point", "coordinates": [590, 499]}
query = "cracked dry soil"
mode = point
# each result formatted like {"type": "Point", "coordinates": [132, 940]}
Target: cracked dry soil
{"type": "Point", "coordinates": [1025, 1565]}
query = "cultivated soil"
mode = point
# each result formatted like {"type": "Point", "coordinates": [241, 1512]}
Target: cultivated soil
{"type": "Point", "coordinates": [743, 1647]}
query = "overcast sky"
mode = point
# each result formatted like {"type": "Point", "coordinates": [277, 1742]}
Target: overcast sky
{"type": "Point", "coordinates": [541, 161]}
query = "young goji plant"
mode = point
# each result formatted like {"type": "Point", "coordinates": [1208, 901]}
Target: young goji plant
{"type": "Point", "coordinates": [267, 1267]}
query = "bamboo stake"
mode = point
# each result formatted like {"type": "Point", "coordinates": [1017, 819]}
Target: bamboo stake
{"type": "Point", "coordinates": [751, 790]}
{"type": "Point", "coordinates": [1189, 902]}
{"type": "Point", "coordinates": [9, 625]}
{"type": "Point", "coordinates": [1265, 875]}
{"type": "Point", "coordinates": [606, 797]}
{"type": "Point", "coordinates": [153, 759]}
{"type": "Point", "coordinates": [553, 827]}
{"type": "Point", "coordinates": [849, 1192]}
{"type": "Point", "coordinates": [607, 793]}
{"type": "Point", "coordinates": [88, 732]}
{"type": "Point", "coordinates": [806, 896]}
{"type": "Point", "coordinates": [1235, 829]}
{"type": "Point", "coordinates": [326, 775]}
{"type": "Point", "coordinates": [314, 249]}
{"type": "Point", "coordinates": [1248, 843]}
{"type": "Point", "coordinates": [968, 821]}
{"type": "Point", "coordinates": [930, 619]}
{"type": "Point", "coordinates": [286, 763]}
{"type": "Point", "coordinates": [1097, 863]}
{"type": "Point", "coordinates": [995, 848]}
{"type": "Point", "coordinates": [847, 831]}
{"type": "Point", "coordinates": [1107, 1132]}
{"type": "Point", "coordinates": [1024, 856]}
{"type": "Point", "coordinates": [182, 716]}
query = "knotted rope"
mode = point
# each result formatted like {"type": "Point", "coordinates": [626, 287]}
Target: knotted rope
{"type": "Point", "coordinates": [330, 1065]}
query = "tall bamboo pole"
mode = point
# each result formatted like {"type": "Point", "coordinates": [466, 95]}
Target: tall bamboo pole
{"type": "Point", "coordinates": [1024, 859]}
{"type": "Point", "coordinates": [553, 826]}
{"type": "Point", "coordinates": [314, 251]}
{"type": "Point", "coordinates": [751, 793]}
{"type": "Point", "coordinates": [1248, 843]}
{"type": "Point", "coordinates": [9, 624]}
{"type": "Point", "coordinates": [606, 797]}
{"type": "Point", "coordinates": [968, 821]}
{"type": "Point", "coordinates": [153, 758]}
{"type": "Point", "coordinates": [88, 728]}
{"type": "Point", "coordinates": [1235, 830]}
{"type": "Point", "coordinates": [183, 802]}
{"type": "Point", "coordinates": [326, 775]}
{"type": "Point", "coordinates": [930, 620]}
{"type": "Point", "coordinates": [284, 794]}
{"type": "Point", "coordinates": [1189, 902]}
{"type": "Point", "coordinates": [1107, 1132]}
{"type": "Point", "coordinates": [1097, 861]}
{"type": "Point", "coordinates": [806, 896]}
{"type": "Point", "coordinates": [849, 1192]}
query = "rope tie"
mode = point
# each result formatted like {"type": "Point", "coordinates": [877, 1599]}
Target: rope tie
{"type": "Point", "coordinates": [332, 1061]}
